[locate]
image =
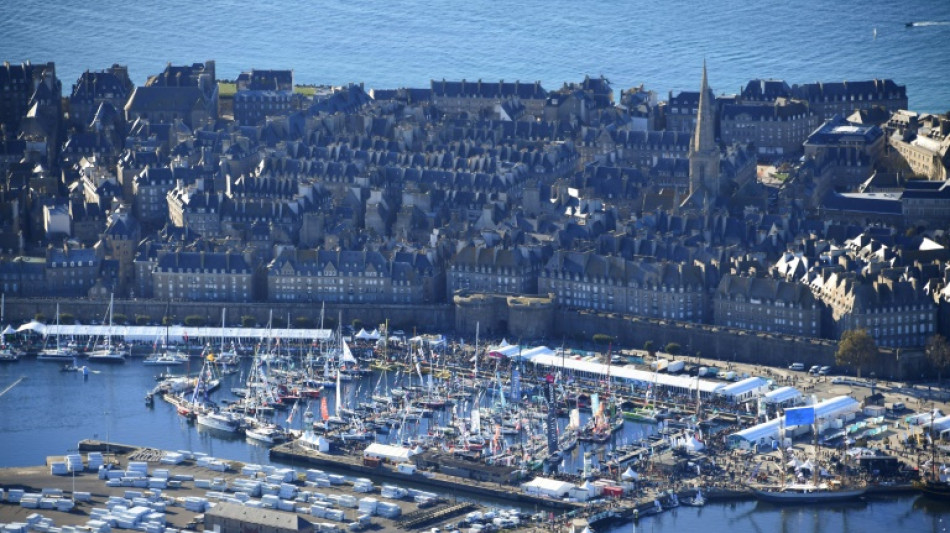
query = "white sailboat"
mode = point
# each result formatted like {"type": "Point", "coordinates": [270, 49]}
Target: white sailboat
{"type": "Point", "coordinates": [107, 352]}
{"type": "Point", "coordinates": [63, 354]}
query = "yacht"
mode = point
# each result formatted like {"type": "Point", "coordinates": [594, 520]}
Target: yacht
{"type": "Point", "coordinates": [166, 358]}
{"type": "Point", "coordinates": [222, 421]}
{"type": "Point", "coordinates": [9, 354]}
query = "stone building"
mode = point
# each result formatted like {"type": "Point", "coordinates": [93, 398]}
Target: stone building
{"type": "Point", "coordinates": [474, 96]}
{"type": "Point", "coordinates": [111, 85]}
{"type": "Point", "coordinates": [496, 269]}
{"type": "Point", "coordinates": [195, 207]}
{"type": "Point", "coordinates": [847, 152]}
{"type": "Point", "coordinates": [263, 93]}
{"type": "Point", "coordinates": [643, 288]}
{"type": "Point", "coordinates": [70, 271]}
{"type": "Point", "coordinates": [353, 276]}
{"type": "Point", "coordinates": [922, 142]}
{"type": "Point", "coordinates": [841, 98]}
{"type": "Point", "coordinates": [767, 304]}
{"type": "Point", "coordinates": [204, 276]}
{"type": "Point", "coordinates": [896, 312]}
{"type": "Point", "coordinates": [777, 130]}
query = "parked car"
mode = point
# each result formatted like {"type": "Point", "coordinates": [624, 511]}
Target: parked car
{"type": "Point", "coordinates": [796, 366]}
{"type": "Point", "coordinates": [824, 371]}
{"type": "Point", "coordinates": [814, 369]}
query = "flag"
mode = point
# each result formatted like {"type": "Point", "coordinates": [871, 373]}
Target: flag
{"type": "Point", "coordinates": [324, 410]}
{"type": "Point", "coordinates": [800, 416]}
{"type": "Point", "coordinates": [185, 333]}
{"type": "Point", "coordinates": [290, 417]}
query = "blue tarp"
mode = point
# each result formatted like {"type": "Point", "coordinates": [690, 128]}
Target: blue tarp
{"type": "Point", "coordinates": [800, 416]}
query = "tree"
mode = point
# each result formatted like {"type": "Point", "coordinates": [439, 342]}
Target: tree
{"type": "Point", "coordinates": [67, 318]}
{"type": "Point", "coordinates": [303, 322]}
{"type": "Point", "coordinates": [856, 348]}
{"type": "Point", "coordinates": [601, 338]}
{"type": "Point", "coordinates": [119, 318]}
{"type": "Point", "coordinates": [142, 320]}
{"type": "Point", "coordinates": [938, 353]}
{"type": "Point", "coordinates": [357, 324]}
{"type": "Point", "coordinates": [672, 348]}
{"type": "Point", "coordinates": [40, 317]}
{"type": "Point", "coordinates": [248, 321]}
{"type": "Point", "coordinates": [195, 321]}
{"type": "Point", "coordinates": [650, 347]}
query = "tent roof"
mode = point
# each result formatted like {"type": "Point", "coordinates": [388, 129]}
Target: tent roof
{"type": "Point", "coordinates": [549, 358]}
{"type": "Point", "coordinates": [550, 485]}
{"type": "Point", "coordinates": [744, 386]}
{"type": "Point", "coordinates": [176, 333]}
{"type": "Point", "coordinates": [385, 451]}
{"type": "Point", "coordinates": [782, 394]}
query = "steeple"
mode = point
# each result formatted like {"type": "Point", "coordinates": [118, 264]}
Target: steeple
{"type": "Point", "coordinates": [704, 138]}
{"type": "Point", "coordinates": [704, 152]}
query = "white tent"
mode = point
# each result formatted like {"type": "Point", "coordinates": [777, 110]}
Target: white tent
{"type": "Point", "coordinates": [33, 325]}
{"type": "Point", "coordinates": [552, 488]}
{"type": "Point", "coordinates": [363, 335]}
{"type": "Point", "coordinates": [396, 454]}
{"type": "Point", "coordinates": [630, 475]}
{"type": "Point", "coordinates": [8, 330]}
{"type": "Point", "coordinates": [694, 444]}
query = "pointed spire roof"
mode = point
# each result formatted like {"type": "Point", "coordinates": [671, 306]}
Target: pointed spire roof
{"type": "Point", "coordinates": [704, 138]}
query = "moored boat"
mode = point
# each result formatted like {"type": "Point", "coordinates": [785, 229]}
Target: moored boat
{"type": "Point", "coordinates": [800, 493]}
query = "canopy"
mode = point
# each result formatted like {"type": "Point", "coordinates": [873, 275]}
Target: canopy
{"type": "Point", "coordinates": [629, 474]}
{"type": "Point", "coordinates": [384, 451]}
{"type": "Point", "coordinates": [364, 335]}
{"type": "Point", "coordinates": [8, 330]}
{"type": "Point", "coordinates": [33, 325]}
{"type": "Point", "coordinates": [694, 444]}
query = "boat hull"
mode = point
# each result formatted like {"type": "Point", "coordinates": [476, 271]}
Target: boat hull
{"type": "Point", "coordinates": [818, 496]}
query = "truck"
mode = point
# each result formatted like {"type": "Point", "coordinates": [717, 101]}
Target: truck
{"type": "Point", "coordinates": [675, 367]}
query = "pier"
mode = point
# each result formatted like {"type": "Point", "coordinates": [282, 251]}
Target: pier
{"type": "Point", "coordinates": [295, 454]}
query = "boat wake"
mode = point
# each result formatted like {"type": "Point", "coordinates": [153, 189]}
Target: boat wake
{"type": "Point", "coordinates": [928, 23]}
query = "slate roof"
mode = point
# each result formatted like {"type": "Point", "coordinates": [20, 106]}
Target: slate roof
{"type": "Point", "coordinates": [479, 89]}
{"type": "Point", "coordinates": [183, 262]}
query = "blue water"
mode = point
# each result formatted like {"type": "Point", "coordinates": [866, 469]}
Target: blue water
{"type": "Point", "coordinates": [407, 43]}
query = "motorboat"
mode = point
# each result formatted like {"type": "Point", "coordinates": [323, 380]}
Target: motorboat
{"type": "Point", "coordinates": [166, 358]}
{"type": "Point", "coordinates": [222, 421]}
{"type": "Point", "coordinates": [9, 354]}
{"type": "Point", "coordinates": [266, 433]}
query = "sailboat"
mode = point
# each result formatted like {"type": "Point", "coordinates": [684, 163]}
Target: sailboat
{"type": "Point", "coordinates": [63, 354]}
{"type": "Point", "coordinates": [807, 491]}
{"type": "Point", "coordinates": [165, 356]}
{"type": "Point", "coordinates": [936, 483]}
{"type": "Point", "coordinates": [107, 352]}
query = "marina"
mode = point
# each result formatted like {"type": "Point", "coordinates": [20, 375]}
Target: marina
{"type": "Point", "coordinates": [628, 442]}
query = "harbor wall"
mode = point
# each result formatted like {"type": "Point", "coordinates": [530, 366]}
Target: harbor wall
{"type": "Point", "coordinates": [730, 344]}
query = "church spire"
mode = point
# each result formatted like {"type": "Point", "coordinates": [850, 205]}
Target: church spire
{"type": "Point", "coordinates": [704, 138]}
{"type": "Point", "coordinates": [704, 151]}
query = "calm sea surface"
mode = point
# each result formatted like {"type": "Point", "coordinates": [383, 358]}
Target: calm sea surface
{"type": "Point", "coordinates": [406, 43]}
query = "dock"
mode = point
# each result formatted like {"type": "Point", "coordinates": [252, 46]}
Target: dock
{"type": "Point", "coordinates": [295, 454]}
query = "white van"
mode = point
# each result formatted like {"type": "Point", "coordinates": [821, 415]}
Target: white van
{"type": "Point", "coordinates": [796, 366]}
